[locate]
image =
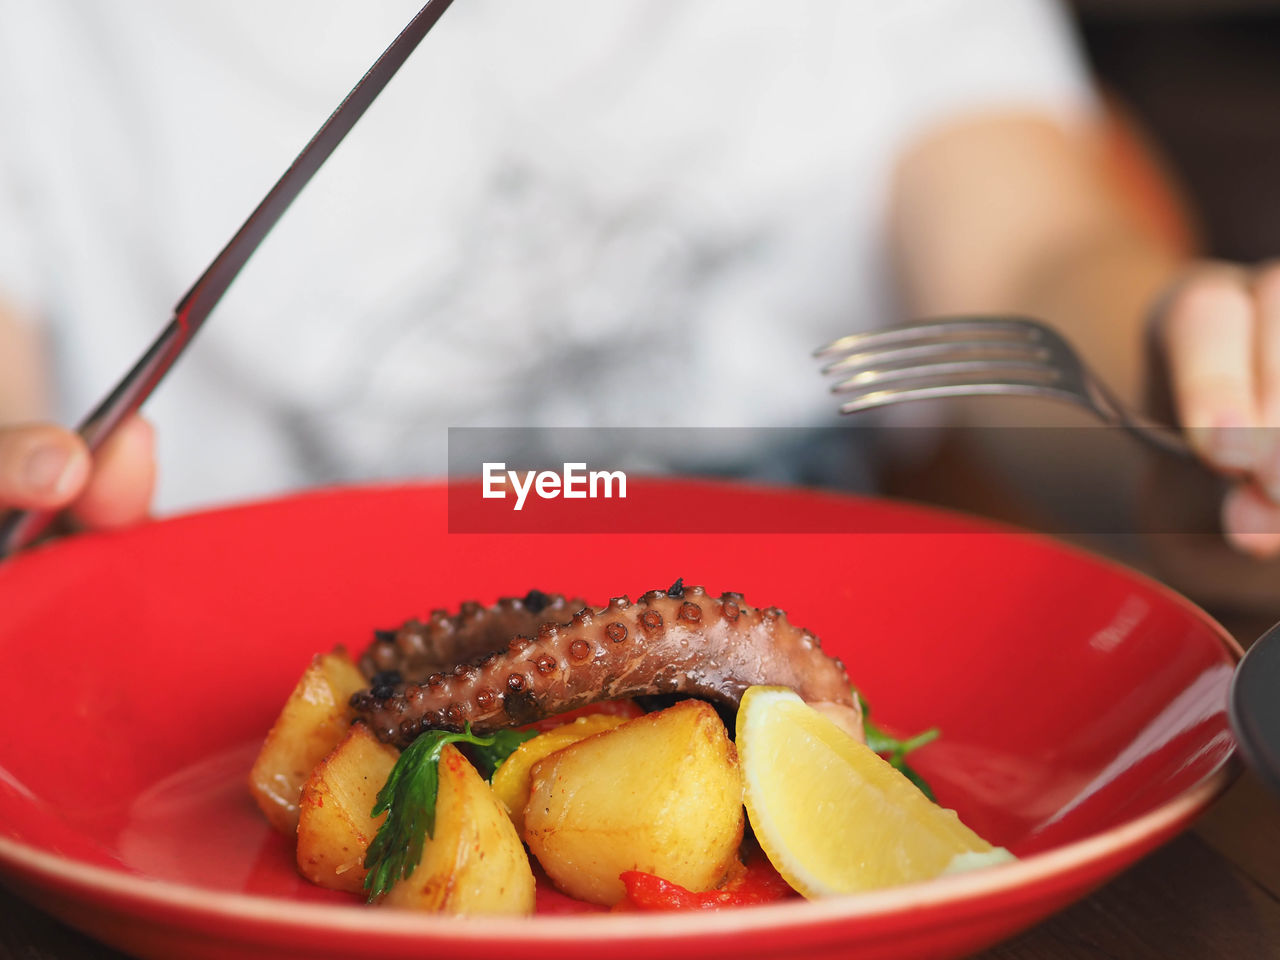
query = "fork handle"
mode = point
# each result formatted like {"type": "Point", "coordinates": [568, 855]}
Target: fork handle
{"type": "Point", "coordinates": [1161, 436]}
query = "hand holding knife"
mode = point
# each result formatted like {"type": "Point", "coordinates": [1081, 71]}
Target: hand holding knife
{"type": "Point", "coordinates": [18, 528]}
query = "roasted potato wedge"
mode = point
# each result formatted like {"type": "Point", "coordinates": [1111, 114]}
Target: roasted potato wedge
{"type": "Point", "coordinates": [474, 863]}
{"type": "Point", "coordinates": [334, 826]}
{"type": "Point", "coordinates": [662, 794]}
{"type": "Point", "coordinates": [511, 782]}
{"type": "Point", "coordinates": [314, 719]}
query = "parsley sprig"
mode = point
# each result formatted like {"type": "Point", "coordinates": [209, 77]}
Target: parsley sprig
{"type": "Point", "coordinates": [895, 750]}
{"type": "Point", "coordinates": [409, 800]}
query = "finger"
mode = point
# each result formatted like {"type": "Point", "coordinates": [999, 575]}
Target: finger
{"type": "Point", "coordinates": [1251, 521]}
{"type": "Point", "coordinates": [42, 466]}
{"type": "Point", "coordinates": [1266, 295]}
{"type": "Point", "coordinates": [1209, 341]}
{"type": "Point", "coordinates": [120, 489]}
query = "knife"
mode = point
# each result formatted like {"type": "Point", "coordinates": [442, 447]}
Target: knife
{"type": "Point", "coordinates": [19, 527]}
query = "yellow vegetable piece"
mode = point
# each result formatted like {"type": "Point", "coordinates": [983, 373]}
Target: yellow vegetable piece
{"type": "Point", "coordinates": [334, 826]}
{"type": "Point", "coordinates": [511, 782]}
{"type": "Point", "coordinates": [313, 721]}
{"type": "Point", "coordinates": [474, 863]}
{"type": "Point", "coordinates": [661, 793]}
{"type": "Point", "coordinates": [830, 814]}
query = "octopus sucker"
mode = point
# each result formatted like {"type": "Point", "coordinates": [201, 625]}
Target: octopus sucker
{"type": "Point", "coordinates": [419, 648]}
{"type": "Point", "coordinates": [674, 641]}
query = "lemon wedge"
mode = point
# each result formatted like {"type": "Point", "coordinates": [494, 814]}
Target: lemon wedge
{"type": "Point", "coordinates": [831, 815]}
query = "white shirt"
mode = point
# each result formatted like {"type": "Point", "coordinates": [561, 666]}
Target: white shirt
{"type": "Point", "coordinates": [560, 212]}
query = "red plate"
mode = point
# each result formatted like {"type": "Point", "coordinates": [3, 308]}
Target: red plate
{"type": "Point", "coordinates": [1083, 711]}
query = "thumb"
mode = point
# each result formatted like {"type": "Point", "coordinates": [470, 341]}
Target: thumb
{"type": "Point", "coordinates": [42, 466]}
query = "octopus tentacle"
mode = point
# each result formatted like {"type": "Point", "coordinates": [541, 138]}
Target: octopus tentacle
{"type": "Point", "coordinates": [419, 648]}
{"type": "Point", "coordinates": [669, 641]}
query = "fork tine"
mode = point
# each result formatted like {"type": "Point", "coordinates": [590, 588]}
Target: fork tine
{"type": "Point", "coordinates": [940, 352]}
{"type": "Point", "coordinates": [933, 329]}
{"type": "Point", "coordinates": [1012, 368]}
{"type": "Point", "coordinates": [872, 399]}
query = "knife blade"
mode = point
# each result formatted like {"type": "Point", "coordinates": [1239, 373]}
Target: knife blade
{"type": "Point", "coordinates": [20, 527]}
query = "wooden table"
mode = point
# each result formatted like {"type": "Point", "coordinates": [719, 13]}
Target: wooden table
{"type": "Point", "coordinates": [1212, 894]}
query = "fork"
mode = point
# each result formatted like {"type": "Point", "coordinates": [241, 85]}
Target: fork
{"type": "Point", "coordinates": [974, 356]}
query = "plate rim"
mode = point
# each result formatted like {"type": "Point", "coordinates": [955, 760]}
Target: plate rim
{"type": "Point", "coordinates": [282, 913]}
{"type": "Point", "coordinates": [146, 894]}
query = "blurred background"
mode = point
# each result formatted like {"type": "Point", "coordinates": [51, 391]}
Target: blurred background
{"type": "Point", "coordinates": [1202, 77]}
{"type": "Point", "coordinates": [1193, 89]}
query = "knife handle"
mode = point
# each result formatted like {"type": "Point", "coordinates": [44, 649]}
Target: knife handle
{"type": "Point", "coordinates": [19, 528]}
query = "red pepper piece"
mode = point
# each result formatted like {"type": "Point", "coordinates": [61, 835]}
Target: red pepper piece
{"type": "Point", "coordinates": [757, 883]}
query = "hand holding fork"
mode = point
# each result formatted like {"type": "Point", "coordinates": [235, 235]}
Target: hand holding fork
{"type": "Point", "coordinates": [1222, 350]}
